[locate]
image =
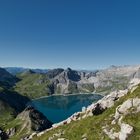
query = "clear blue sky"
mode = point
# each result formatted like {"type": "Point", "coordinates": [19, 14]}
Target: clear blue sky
{"type": "Point", "coordinates": [82, 34]}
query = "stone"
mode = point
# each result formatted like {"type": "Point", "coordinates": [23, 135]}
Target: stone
{"type": "Point", "coordinates": [11, 132]}
{"type": "Point", "coordinates": [123, 109]}
{"type": "Point", "coordinates": [84, 136]}
{"type": "Point", "coordinates": [69, 120]}
{"type": "Point", "coordinates": [112, 135]}
{"type": "Point", "coordinates": [61, 139]}
{"type": "Point", "coordinates": [136, 104]}
{"type": "Point", "coordinates": [32, 135]}
{"type": "Point", "coordinates": [126, 130]}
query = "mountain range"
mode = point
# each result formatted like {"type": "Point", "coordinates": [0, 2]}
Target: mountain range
{"type": "Point", "coordinates": [18, 88]}
{"type": "Point", "coordinates": [67, 81]}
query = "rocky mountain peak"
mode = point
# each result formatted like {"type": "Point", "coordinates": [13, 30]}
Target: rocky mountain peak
{"type": "Point", "coordinates": [53, 73]}
{"type": "Point", "coordinates": [34, 120]}
{"type": "Point", "coordinates": [73, 75]}
{"type": "Point", "coordinates": [69, 69]}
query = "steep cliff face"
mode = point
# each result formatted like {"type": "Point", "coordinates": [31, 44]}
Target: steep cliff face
{"type": "Point", "coordinates": [53, 73]}
{"type": "Point", "coordinates": [103, 81]}
{"type": "Point", "coordinates": [66, 82]}
{"type": "Point", "coordinates": [137, 74]}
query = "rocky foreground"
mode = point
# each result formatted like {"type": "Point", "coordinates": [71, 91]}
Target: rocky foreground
{"type": "Point", "coordinates": [116, 119]}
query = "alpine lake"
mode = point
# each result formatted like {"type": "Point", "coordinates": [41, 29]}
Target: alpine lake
{"type": "Point", "coordinates": [59, 107]}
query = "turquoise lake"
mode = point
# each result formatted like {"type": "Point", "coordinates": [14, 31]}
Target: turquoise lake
{"type": "Point", "coordinates": [60, 107]}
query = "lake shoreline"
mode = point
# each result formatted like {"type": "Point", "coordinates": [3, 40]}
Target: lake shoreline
{"type": "Point", "coordinates": [68, 94]}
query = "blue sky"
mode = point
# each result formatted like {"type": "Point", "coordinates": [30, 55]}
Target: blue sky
{"type": "Point", "coordinates": [82, 34]}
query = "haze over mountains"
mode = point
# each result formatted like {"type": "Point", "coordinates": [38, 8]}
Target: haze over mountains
{"type": "Point", "coordinates": [16, 70]}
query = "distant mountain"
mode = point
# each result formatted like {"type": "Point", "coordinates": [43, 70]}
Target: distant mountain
{"type": "Point", "coordinates": [54, 72]}
{"type": "Point", "coordinates": [16, 70]}
{"type": "Point", "coordinates": [60, 81]}
{"type": "Point", "coordinates": [40, 83]}
{"type": "Point", "coordinates": [7, 80]}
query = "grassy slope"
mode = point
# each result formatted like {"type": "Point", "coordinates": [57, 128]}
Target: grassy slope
{"type": "Point", "coordinates": [6, 116]}
{"type": "Point", "coordinates": [6, 112]}
{"type": "Point", "coordinates": [92, 126]}
{"type": "Point", "coordinates": [33, 85]}
{"type": "Point", "coordinates": [8, 120]}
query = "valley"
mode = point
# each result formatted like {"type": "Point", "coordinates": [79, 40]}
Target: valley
{"type": "Point", "coordinates": [19, 120]}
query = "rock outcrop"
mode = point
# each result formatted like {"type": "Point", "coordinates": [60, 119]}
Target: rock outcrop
{"type": "Point", "coordinates": [10, 132]}
{"type": "Point", "coordinates": [128, 107]}
{"type": "Point", "coordinates": [34, 120]}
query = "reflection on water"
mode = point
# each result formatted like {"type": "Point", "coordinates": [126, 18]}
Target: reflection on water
{"type": "Point", "coordinates": [58, 108]}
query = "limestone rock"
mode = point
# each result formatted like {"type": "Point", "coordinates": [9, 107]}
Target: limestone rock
{"type": "Point", "coordinates": [34, 120]}
{"type": "Point", "coordinates": [11, 132]}
{"type": "Point", "coordinates": [126, 130]}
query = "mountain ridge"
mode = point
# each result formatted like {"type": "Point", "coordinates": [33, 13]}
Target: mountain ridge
{"type": "Point", "coordinates": [68, 81]}
{"type": "Point", "coordinates": [29, 85]}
